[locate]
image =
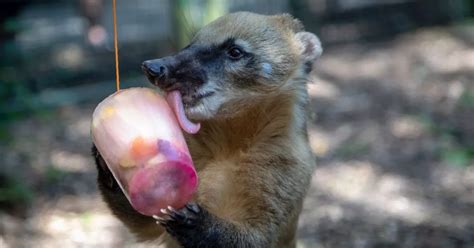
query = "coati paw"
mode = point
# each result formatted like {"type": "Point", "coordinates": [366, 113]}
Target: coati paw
{"type": "Point", "coordinates": [178, 220]}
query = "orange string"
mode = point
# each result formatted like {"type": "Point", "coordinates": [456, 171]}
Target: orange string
{"type": "Point", "coordinates": [117, 74]}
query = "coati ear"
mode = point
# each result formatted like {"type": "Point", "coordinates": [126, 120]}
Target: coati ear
{"type": "Point", "coordinates": [310, 46]}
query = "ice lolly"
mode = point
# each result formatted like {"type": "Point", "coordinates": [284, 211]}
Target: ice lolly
{"type": "Point", "coordinates": [139, 136]}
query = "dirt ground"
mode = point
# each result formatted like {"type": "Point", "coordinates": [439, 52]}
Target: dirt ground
{"type": "Point", "coordinates": [391, 126]}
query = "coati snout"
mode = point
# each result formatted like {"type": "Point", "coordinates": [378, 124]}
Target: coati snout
{"type": "Point", "coordinates": [183, 72]}
{"type": "Point", "coordinates": [236, 59]}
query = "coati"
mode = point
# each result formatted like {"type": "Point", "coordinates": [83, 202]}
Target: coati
{"type": "Point", "coordinates": [243, 77]}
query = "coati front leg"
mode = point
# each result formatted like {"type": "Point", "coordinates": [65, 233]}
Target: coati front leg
{"type": "Point", "coordinates": [264, 202]}
{"type": "Point", "coordinates": [193, 226]}
{"type": "Point", "coordinates": [142, 226]}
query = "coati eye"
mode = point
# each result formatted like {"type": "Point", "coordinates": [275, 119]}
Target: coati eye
{"type": "Point", "coordinates": [235, 53]}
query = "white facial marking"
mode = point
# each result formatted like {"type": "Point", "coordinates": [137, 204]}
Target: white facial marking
{"type": "Point", "coordinates": [244, 44]}
{"type": "Point", "coordinates": [207, 107]}
{"type": "Point", "coordinates": [267, 70]}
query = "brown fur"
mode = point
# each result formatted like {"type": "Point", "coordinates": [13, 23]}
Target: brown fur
{"type": "Point", "coordinates": [253, 159]}
{"type": "Point", "coordinates": [255, 168]}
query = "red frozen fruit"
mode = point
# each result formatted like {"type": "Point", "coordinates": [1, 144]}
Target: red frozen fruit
{"type": "Point", "coordinates": [166, 184]}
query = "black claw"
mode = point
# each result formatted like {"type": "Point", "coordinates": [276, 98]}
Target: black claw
{"type": "Point", "coordinates": [186, 224]}
{"type": "Point", "coordinates": [180, 221]}
{"type": "Point", "coordinates": [161, 222]}
{"type": "Point", "coordinates": [193, 207]}
{"type": "Point", "coordinates": [176, 215]}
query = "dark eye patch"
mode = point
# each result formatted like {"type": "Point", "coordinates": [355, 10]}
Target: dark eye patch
{"type": "Point", "coordinates": [227, 43]}
{"type": "Point", "coordinates": [214, 56]}
{"type": "Point", "coordinates": [207, 52]}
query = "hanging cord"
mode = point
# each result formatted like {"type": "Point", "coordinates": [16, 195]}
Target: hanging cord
{"type": "Point", "coordinates": [117, 74]}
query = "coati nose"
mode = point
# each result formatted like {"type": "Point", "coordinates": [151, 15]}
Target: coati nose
{"type": "Point", "coordinates": [155, 69]}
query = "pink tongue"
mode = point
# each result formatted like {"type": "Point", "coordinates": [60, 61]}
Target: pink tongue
{"type": "Point", "coordinates": [176, 103]}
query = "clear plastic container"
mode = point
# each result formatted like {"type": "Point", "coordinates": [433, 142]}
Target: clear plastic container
{"type": "Point", "coordinates": [139, 138]}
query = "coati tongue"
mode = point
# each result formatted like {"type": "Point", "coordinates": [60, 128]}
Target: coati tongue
{"type": "Point", "coordinates": [176, 103]}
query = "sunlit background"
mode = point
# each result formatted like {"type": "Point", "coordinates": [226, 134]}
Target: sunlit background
{"type": "Point", "coordinates": [392, 115]}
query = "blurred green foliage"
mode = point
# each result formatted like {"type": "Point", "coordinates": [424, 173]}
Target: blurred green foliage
{"type": "Point", "coordinates": [467, 99]}
{"type": "Point", "coordinates": [458, 155]}
{"type": "Point", "coordinates": [53, 175]}
{"type": "Point", "coordinates": [14, 90]}
{"type": "Point", "coordinates": [187, 22]}
{"type": "Point", "coordinates": [452, 150]}
{"type": "Point", "coordinates": [353, 148]}
{"type": "Point", "coordinates": [87, 218]}
{"type": "Point", "coordinates": [13, 191]}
